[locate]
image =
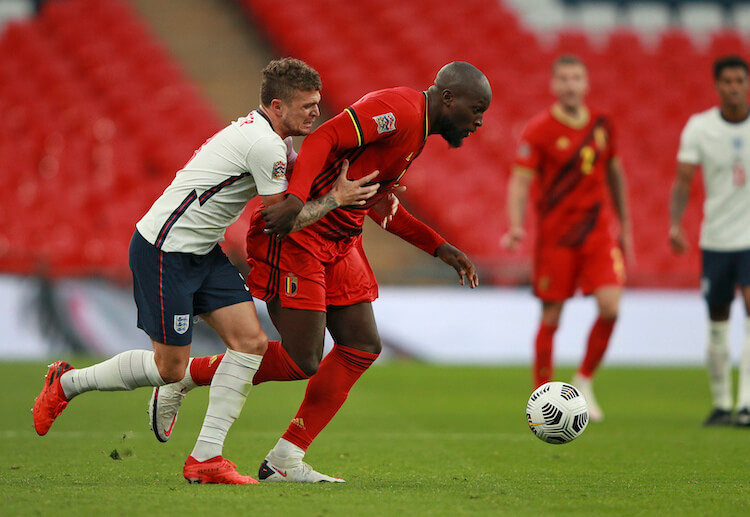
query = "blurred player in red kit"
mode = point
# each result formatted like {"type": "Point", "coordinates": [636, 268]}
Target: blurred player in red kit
{"type": "Point", "coordinates": [572, 152]}
{"type": "Point", "coordinates": [318, 276]}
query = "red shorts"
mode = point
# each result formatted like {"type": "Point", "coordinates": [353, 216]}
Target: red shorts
{"type": "Point", "coordinates": [560, 271]}
{"type": "Point", "coordinates": [307, 271]}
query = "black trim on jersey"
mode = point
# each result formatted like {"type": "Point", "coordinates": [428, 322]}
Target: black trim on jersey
{"type": "Point", "coordinates": [216, 188]}
{"type": "Point", "coordinates": [272, 258]}
{"type": "Point", "coordinates": [203, 199]}
{"type": "Point", "coordinates": [328, 176]}
{"type": "Point", "coordinates": [568, 176]}
{"type": "Point", "coordinates": [172, 219]}
{"type": "Point", "coordinates": [260, 112]}
{"type": "Point", "coordinates": [355, 118]}
{"type": "Point", "coordinates": [577, 234]}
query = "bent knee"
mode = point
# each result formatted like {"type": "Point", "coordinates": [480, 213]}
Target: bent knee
{"type": "Point", "coordinates": [172, 373]}
{"type": "Point", "coordinates": [609, 312]}
{"type": "Point", "coordinates": [252, 344]}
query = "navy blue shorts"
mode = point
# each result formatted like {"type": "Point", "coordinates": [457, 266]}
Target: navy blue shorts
{"type": "Point", "coordinates": [170, 288]}
{"type": "Point", "coordinates": [722, 272]}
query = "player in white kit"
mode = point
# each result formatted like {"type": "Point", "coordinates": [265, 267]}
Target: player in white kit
{"type": "Point", "coordinates": [718, 140]}
{"type": "Point", "coordinates": [180, 271]}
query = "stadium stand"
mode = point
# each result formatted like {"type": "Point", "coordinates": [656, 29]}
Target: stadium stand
{"type": "Point", "coordinates": [98, 119]}
{"type": "Point", "coordinates": [650, 85]}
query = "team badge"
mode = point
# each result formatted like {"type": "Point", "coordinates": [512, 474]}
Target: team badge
{"type": "Point", "coordinates": [290, 285]}
{"type": "Point", "coordinates": [385, 123]}
{"type": "Point", "coordinates": [562, 143]}
{"type": "Point", "coordinates": [181, 323]}
{"type": "Point", "coordinates": [279, 170]}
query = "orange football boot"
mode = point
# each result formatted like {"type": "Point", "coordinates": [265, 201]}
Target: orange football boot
{"type": "Point", "coordinates": [214, 470]}
{"type": "Point", "coordinates": [51, 401]}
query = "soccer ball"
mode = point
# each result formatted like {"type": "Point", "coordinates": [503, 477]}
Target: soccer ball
{"type": "Point", "coordinates": [557, 412]}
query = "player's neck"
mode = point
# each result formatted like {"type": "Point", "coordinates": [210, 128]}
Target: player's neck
{"type": "Point", "coordinates": [274, 121]}
{"type": "Point", "coordinates": [573, 116]}
{"type": "Point", "coordinates": [735, 113]}
{"type": "Point", "coordinates": [575, 112]}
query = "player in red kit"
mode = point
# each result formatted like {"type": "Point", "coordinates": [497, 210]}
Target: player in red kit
{"type": "Point", "coordinates": [319, 276]}
{"type": "Point", "coordinates": [571, 150]}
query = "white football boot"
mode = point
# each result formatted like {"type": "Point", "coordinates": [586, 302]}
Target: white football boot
{"type": "Point", "coordinates": [163, 407]}
{"type": "Point", "coordinates": [585, 386]}
{"type": "Point", "coordinates": [296, 471]}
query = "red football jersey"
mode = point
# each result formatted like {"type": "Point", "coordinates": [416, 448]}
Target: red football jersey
{"type": "Point", "coordinates": [569, 159]}
{"type": "Point", "coordinates": [385, 130]}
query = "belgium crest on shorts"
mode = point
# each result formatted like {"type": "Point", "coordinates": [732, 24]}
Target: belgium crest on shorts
{"type": "Point", "coordinates": [290, 285]}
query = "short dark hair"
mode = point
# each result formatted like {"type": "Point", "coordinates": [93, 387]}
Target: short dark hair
{"type": "Point", "coordinates": [567, 59]}
{"type": "Point", "coordinates": [282, 77]}
{"type": "Point", "coordinates": [731, 61]}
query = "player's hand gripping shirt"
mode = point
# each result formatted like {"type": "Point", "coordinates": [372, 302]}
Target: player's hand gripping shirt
{"type": "Point", "coordinates": [210, 192]}
{"type": "Point", "coordinates": [385, 130]}
{"type": "Point", "coordinates": [570, 160]}
{"type": "Point", "coordinates": [722, 149]}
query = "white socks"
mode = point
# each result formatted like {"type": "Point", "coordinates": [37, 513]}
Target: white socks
{"type": "Point", "coordinates": [718, 363]}
{"type": "Point", "coordinates": [229, 389]}
{"type": "Point", "coordinates": [286, 454]}
{"type": "Point", "coordinates": [125, 371]}
{"type": "Point", "coordinates": [743, 396]}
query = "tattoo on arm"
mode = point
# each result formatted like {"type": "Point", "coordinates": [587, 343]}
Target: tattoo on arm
{"type": "Point", "coordinates": [314, 210]}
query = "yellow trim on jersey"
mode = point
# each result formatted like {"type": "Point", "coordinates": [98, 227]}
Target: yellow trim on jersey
{"type": "Point", "coordinates": [523, 171]}
{"type": "Point", "coordinates": [575, 122]}
{"type": "Point", "coordinates": [357, 129]}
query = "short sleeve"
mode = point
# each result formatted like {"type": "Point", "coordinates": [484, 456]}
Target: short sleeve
{"type": "Point", "coordinates": [374, 118]}
{"type": "Point", "coordinates": [528, 154]}
{"type": "Point", "coordinates": [689, 151]}
{"type": "Point", "coordinates": [267, 162]}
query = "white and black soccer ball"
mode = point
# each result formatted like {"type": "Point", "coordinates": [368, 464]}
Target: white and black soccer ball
{"type": "Point", "coordinates": [557, 412]}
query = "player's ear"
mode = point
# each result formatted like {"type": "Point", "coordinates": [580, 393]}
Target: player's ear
{"type": "Point", "coordinates": [447, 97]}
{"type": "Point", "coordinates": [276, 106]}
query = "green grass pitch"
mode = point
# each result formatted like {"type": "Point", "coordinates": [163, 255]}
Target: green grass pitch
{"type": "Point", "coordinates": [412, 439]}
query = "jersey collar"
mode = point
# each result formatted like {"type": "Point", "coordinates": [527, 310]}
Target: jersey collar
{"type": "Point", "coordinates": [564, 118]}
{"type": "Point", "coordinates": [260, 112]}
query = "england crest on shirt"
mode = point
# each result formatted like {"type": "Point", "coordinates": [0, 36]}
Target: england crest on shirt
{"type": "Point", "coordinates": [385, 122]}
{"type": "Point", "coordinates": [181, 323]}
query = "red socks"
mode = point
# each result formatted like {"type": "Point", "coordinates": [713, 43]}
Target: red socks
{"type": "Point", "coordinates": [202, 369]}
{"type": "Point", "coordinates": [543, 356]}
{"type": "Point", "coordinates": [276, 366]}
{"type": "Point", "coordinates": [597, 345]}
{"type": "Point", "coordinates": [326, 392]}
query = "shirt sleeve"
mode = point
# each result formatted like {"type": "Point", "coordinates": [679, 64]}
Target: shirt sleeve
{"type": "Point", "coordinates": [267, 162]}
{"type": "Point", "coordinates": [689, 151]}
{"type": "Point", "coordinates": [412, 230]}
{"type": "Point", "coordinates": [291, 155]}
{"type": "Point", "coordinates": [364, 122]}
{"type": "Point", "coordinates": [528, 154]}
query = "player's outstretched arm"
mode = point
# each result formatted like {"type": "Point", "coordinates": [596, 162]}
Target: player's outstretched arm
{"type": "Point", "coordinates": [619, 192]}
{"type": "Point", "coordinates": [290, 215]}
{"type": "Point", "coordinates": [460, 262]}
{"type": "Point", "coordinates": [678, 202]}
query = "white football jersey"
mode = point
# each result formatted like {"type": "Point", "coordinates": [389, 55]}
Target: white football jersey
{"type": "Point", "coordinates": [722, 149]}
{"type": "Point", "coordinates": [210, 192]}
